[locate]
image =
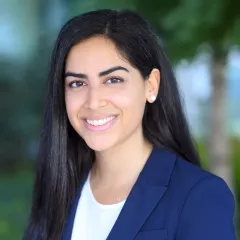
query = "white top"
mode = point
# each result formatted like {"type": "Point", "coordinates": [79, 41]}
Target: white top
{"type": "Point", "coordinates": [93, 221]}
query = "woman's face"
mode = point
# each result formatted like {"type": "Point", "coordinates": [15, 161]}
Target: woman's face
{"type": "Point", "coordinates": [105, 96]}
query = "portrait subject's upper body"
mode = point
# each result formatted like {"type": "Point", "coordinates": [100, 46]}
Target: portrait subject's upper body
{"type": "Point", "coordinates": [116, 158]}
{"type": "Point", "coordinates": [171, 200]}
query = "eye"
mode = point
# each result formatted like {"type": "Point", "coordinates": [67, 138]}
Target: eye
{"type": "Point", "coordinates": [114, 80]}
{"type": "Point", "coordinates": [76, 84]}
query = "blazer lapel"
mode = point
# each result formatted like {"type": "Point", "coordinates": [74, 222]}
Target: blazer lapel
{"type": "Point", "coordinates": [145, 195]}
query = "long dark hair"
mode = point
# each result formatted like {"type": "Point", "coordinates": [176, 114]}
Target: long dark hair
{"type": "Point", "coordinates": [63, 155]}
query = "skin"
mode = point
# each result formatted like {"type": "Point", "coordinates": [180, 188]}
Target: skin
{"type": "Point", "coordinates": [121, 150]}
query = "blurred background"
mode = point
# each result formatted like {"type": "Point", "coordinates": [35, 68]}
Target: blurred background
{"type": "Point", "coordinates": [201, 38]}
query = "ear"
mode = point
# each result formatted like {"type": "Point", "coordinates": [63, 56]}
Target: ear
{"type": "Point", "coordinates": [153, 84]}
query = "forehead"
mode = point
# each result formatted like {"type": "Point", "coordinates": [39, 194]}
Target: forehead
{"type": "Point", "coordinates": [96, 53]}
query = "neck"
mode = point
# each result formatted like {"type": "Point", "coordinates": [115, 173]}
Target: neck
{"type": "Point", "coordinates": [122, 163]}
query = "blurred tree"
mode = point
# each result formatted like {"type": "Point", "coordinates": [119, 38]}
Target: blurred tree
{"type": "Point", "coordinates": [186, 27]}
{"type": "Point", "coordinates": [12, 147]}
{"type": "Point", "coordinates": [17, 121]}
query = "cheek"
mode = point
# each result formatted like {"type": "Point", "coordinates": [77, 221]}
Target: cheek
{"type": "Point", "coordinates": [73, 101]}
{"type": "Point", "coordinates": [131, 102]}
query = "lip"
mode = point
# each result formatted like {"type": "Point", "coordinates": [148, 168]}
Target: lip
{"type": "Point", "coordinates": [103, 127]}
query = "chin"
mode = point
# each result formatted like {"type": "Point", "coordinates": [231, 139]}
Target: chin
{"type": "Point", "coordinates": [99, 145]}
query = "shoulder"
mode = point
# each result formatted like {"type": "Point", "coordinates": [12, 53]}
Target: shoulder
{"type": "Point", "coordinates": [199, 200]}
{"type": "Point", "coordinates": [179, 175]}
{"type": "Point", "coordinates": [187, 180]}
{"type": "Point", "coordinates": [192, 176]}
{"type": "Point", "coordinates": [206, 196]}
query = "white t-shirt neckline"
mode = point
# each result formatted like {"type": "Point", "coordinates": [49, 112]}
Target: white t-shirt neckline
{"type": "Point", "coordinates": [89, 189]}
{"type": "Point", "coordinates": [93, 220]}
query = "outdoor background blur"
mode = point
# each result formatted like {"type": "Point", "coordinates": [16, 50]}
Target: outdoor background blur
{"type": "Point", "coordinates": [202, 39]}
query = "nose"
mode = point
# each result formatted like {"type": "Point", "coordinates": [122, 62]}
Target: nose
{"type": "Point", "coordinates": [95, 99]}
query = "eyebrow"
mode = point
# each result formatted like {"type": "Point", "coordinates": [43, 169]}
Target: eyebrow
{"type": "Point", "coordinates": [101, 74]}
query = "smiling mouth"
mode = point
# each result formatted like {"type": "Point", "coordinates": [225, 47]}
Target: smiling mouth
{"type": "Point", "coordinates": [99, 122]}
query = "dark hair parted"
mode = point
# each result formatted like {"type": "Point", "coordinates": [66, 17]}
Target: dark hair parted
{"type": "Point", "coordinates": [63, 155]}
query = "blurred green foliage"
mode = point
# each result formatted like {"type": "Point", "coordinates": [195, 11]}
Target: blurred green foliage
{"type": "Point", "coordinates": [183, 26]}
{"type": "Point", "coordinates": [16, 191]}
{"type": "Point", "coordinates": [186, 25]}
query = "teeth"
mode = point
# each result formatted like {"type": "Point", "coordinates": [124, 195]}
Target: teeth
{"type": "Point", "coordinates": [100, 122]}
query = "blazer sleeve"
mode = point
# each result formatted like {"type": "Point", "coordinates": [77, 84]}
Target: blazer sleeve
{"type": "Point", "coordinates": [208, 212]}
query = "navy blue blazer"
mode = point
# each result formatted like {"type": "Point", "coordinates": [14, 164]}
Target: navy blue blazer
{"type": "Point", "coordinates": [171, 200]}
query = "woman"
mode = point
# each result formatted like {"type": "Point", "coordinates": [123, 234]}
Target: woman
{"type": "Point", "coordinates": [117, 161]}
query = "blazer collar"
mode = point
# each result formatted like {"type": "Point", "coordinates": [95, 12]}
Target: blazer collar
{"type": "Point", "coordinates": [146, 193]}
